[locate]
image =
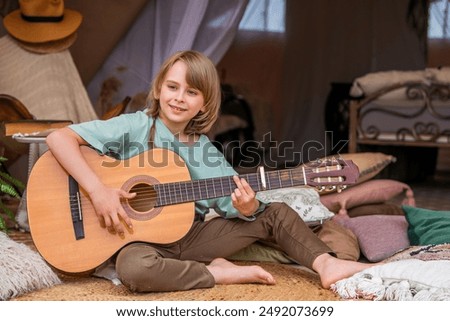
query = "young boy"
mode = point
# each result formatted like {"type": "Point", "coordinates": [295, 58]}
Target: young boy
{"type": "Point", "coordinates": [185, 100]}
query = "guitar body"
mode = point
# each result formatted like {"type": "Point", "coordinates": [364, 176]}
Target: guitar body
{"type": "Point", "coordinates": [50, 208]}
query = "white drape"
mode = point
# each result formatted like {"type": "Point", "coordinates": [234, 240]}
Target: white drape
{"type": "Point", "coordinates": [164, 27]}
{"type": "Point", "coordinates": [439, 20]}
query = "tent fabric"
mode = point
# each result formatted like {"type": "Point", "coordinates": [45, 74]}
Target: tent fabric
{"type": "Point", "coordinates": [49, 85]}
{"type": "Point", "coordinates": [163, 28]}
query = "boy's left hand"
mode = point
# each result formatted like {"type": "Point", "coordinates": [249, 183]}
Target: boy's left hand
{"type": "Point", "coordinates": [244, 198]}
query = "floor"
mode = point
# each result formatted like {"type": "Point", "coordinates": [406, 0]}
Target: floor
{"type": "Point", "coordinates": [433, 193]}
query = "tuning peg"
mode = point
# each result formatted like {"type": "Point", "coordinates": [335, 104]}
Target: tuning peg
{"type": "Point", "coordinates": [320, 188]}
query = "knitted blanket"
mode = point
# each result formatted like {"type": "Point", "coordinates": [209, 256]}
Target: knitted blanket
{"type": "Point", "coordinates": [418, 273]}
{"type": "Point", "coordinates": [22, 270]}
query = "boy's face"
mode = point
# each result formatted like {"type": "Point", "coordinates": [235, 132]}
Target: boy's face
{"type": "Point", "coordinates": [179, 102]}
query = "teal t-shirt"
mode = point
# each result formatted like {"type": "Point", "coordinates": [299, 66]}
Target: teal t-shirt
{"type": "Point", "coordinates": [127, 135]}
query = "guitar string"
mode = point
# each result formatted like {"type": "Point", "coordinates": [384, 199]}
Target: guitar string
{"type": "Point", "coordinates": [213, 182]}
{"type": "Point", "coordinates": [146, 193]}
{"type": "Point", "coordinates": [253, 180]}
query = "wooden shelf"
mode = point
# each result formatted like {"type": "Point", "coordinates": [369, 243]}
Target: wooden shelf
{"type": "Point", "coordinates": [37, 127]}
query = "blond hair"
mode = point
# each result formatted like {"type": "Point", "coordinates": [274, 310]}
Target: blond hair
{"type": "Point", "coordinates": [201, 75]}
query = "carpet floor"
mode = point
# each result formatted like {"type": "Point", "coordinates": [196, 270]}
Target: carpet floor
{"type": "Point", "coordinates": [294, 283]}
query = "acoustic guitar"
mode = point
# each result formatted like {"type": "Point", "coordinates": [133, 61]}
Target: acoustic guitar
{"type": "Point", "coordinates": [65, 228]}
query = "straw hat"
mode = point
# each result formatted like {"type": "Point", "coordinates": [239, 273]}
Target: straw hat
{"type": "Point", "coordinates": [43, 25]}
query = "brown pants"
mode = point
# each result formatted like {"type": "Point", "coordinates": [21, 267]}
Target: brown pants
{"type": "Point", "coordinates": [145, 267]}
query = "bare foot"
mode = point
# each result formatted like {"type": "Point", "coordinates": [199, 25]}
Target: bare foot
{"type": "Point", "coordinates": [225, 272]}
{"type": "Point", "coordinates": [331, 269]}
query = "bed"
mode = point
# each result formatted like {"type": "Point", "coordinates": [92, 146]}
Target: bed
{"type": "Point", "coordinates": [400, 108]}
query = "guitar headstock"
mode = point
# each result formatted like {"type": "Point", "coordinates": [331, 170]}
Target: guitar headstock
{"type": "Point", "coordinates": [331, 174]}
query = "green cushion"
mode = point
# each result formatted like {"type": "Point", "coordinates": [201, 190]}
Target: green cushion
{"type": "Point", "coordinates": [427, 226]}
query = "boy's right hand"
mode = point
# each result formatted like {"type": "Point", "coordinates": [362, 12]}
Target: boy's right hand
{"type": "Point", "coordinates": [109, 209]}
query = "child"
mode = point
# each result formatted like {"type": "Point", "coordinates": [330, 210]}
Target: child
{"type": "Point", "coordinates": [185, 100]}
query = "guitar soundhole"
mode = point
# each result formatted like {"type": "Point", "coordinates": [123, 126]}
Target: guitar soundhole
{"type": "Point", "coordinates": [145, 198]}
{"type": "Point", "coordinates": [143, 206]}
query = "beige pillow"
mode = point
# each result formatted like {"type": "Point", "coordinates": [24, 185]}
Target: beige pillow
{"type": "Point", "coordinates": [375, 81]}
{"type": "Point", "coordinates": [369, 165]}
{"type": "Point", "coordinates": [340, 239]}
{"type": "Point", "coordinates": [258, 252]}
{"type": "Point", "coordinates": [440, 74]}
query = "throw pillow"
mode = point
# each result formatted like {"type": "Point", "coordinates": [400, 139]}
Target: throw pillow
{"type": "Point", "coordinates": [259, 252]}
{"type": "Point", "coordinates": [427, 227]}
{"type": "Point", "coordinates": [305, 201]}
{"type": "Point", "coordinates": [22, 269]}
{"type": "Point", "coordinates": [372, 209]}
{"type": "Point", "coordinates": [379, 236]}
{"type": "Point", "coordinates": [376, 81]}
{"type": "Point", "coordinates": [340, 239]}
{"type": "Point", "coordinates": [371, 192]}
{"type": "Point", "coordinates": [369, 165]}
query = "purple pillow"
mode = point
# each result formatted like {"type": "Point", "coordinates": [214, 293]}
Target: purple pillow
{"type": "Point", "coordinates": [379, 236]}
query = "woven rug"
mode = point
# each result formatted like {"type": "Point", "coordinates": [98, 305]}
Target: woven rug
{"type": "Point", "coordinates": [294, 283]}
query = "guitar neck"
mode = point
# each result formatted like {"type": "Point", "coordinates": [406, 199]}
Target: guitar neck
{"type": "Point", "coordinates": [189, 191]}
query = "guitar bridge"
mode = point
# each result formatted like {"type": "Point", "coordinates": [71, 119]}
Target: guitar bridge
{"type": "Point", "coordinates": [75, 209]}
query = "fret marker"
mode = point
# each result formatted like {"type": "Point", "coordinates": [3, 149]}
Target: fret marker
{"type": "Point", "coordinates": [263, 177]}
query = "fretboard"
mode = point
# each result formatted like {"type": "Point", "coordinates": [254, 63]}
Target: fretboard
{"type": "Point", "coordinates": [189, 191]}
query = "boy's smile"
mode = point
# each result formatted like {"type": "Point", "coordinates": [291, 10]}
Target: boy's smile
{"type": "Point", "coordinates": [175, 108]}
